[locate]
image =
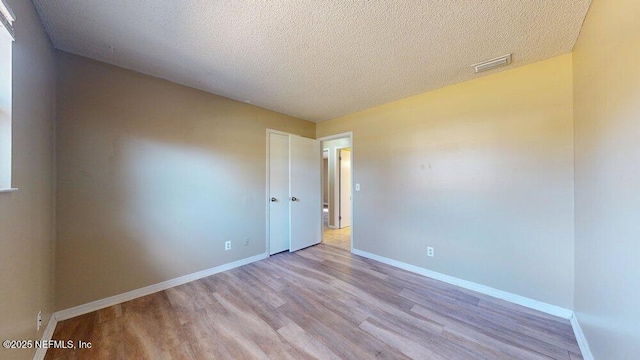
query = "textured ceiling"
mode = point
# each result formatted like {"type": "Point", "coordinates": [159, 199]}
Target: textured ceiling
{"type": "Point", "coordinates": [312, 59]}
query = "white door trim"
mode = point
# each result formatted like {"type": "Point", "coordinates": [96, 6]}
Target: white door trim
{"type": "Point", "coordinates": [348, 134]}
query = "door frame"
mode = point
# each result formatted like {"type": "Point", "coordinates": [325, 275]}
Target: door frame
{"type": "Point", "coordinates": [348, 134]}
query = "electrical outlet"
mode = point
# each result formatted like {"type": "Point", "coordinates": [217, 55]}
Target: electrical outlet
{"type": "Point", "coordinates": [357, 187]}
{"type": "Point", "coordinates": [430, 251]}
{"type": "Point", "coordinates": [246, 241]}
{"type": "Point", "coordinates": [39, 321]}
{"type": "Point", "coordinates": [227, 245]}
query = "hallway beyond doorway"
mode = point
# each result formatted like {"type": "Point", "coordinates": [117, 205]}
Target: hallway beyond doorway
{"type": "Point", "coordinates": [340, 238]}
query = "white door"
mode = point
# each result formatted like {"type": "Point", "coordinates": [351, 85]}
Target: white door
{"type": "Point", "coordinates": [278, 193]}
{"type": "Point", "coordinates": [305, 189]}
{"type": "Point", "coordinates": [345, 188]}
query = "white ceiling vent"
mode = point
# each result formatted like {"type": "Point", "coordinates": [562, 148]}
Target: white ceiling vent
{"type": "Point", "coordinates": [493, 63]}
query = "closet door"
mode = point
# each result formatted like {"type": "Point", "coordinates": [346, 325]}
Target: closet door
{"type": "Point", "coordinates": [278, 193]}
{"type": "Point", "coordinates": [305, 192]}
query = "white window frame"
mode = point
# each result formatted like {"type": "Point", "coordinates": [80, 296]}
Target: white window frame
{"type": "Point", "coordinates": [7, 17]}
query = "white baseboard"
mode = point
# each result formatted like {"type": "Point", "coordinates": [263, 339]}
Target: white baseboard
{"type": "Point", "coordinates": [582, 340]}
{"type": "Point", "coordinates": [483, 289]}
{"type": "Point", "coordinates": [46, 336]}
{"type": "Point", "coordinates": [130, 295]}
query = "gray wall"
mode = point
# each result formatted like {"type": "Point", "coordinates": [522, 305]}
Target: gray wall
{"type": "Point", "coordinates": [153, 178]}
{"type": "Point", "coordinates": [482, 171]}
{"type": "Point", "coordinates": [607, 178]}
{"type": "Point", "coordinates": [26, 216]}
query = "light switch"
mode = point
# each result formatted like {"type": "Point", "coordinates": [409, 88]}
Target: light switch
{"type": "Point", "coordinates": [357, 187]}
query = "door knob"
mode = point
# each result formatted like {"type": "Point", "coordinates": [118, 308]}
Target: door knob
{"type": "Point", "coordinates": [294, 199]}
{"type": "Point", "coordinates": [274, 199]}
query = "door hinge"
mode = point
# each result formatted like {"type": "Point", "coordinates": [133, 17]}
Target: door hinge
{"type": "Point", "coordinates": [339, 217]}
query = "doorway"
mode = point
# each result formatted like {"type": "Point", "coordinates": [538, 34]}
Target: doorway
{"type": "Point", "coordinates": [337, 214]}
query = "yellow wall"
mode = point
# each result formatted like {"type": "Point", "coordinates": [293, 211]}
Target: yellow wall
{"type": "Point", "coordinates": [26, 216]}
{"type": "Point", "coordinates": [153, 178]}
{"type": "Point", "coordinates": [607, 178]}
{"type": "Point", "coordinates": [482, 171]}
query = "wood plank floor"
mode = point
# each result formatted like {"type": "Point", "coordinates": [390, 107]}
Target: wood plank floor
{"type": "Point", "coordinates": [321, 302]}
